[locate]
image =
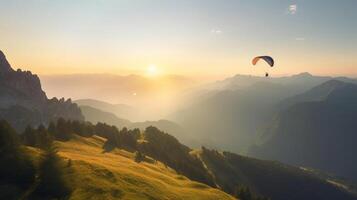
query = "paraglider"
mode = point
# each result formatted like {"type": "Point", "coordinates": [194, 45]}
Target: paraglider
{"type": "Point", "coordinates": [267, 59]}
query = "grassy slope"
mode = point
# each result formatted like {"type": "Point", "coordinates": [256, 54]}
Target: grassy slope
{"type": "Point", "coordinates": [115, 175]}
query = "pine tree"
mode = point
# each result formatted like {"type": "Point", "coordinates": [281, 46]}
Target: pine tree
{"type": "Point", "coordinates": [52, 128]}
{"type": "Point", "coordinates": [45, 139]}
{"type": "Point", "coordinates": [30, 137]}
{"type": "Point", "coordinates": [63, 130]}
{"type": "Point", "coordinates": [15, 167]}
{"type": "Point", "coordinates": [53, 184]}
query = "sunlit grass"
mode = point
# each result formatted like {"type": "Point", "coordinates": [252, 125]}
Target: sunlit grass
{"type": "Point", "coordinates": [115, 175]}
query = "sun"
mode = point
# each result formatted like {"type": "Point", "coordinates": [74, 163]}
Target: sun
{"type": "Point", "coordinates": [152, 70]}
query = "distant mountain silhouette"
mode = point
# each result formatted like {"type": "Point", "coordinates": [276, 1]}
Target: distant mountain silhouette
{"type": "Point", "coordinates": [120, 110]}
{"type": "Point", "coordinates": [95, 115]}
{"type": "Point", "coordinates": [298, 83]}
{"type": "Point", "coordinates": [318, 130]}
{"type": "Point", "coordinates": [23, 102]}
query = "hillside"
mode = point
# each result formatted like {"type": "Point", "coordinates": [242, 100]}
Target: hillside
{"type": "Point", "coordinates": [115, 175]}
{"type": "Point", "coordinates": [268, 178]}
{"type": "Point", "coordinates": [105, 168]}
{"type": "Point", "coordinates": [318, 131]}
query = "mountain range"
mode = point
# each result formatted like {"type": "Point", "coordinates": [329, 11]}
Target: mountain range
{"type": "Point", "coordinates": [230, 114]}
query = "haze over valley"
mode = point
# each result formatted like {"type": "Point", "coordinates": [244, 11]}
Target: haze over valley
{"type": "Point", "coordinates": [158, 100]}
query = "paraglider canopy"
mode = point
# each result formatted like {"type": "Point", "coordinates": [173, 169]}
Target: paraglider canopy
{"type": "Point", "coordinates": [267, 59]}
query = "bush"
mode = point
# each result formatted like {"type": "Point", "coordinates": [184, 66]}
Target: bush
{"type": "Point", "coordinates": [139, 157]}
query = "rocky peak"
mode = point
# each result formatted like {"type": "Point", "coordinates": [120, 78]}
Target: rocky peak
{"type": "Point", "coordinates": [4, 64]}
{"type": "Point", "coordinates": [23, 102]}
{"type": "Point", "coordinates": [23, 82]}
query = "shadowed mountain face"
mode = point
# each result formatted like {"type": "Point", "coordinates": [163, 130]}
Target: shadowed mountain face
{"type": "Point", "coordinates": [5, 65]}
{"type": "Point", "coordinates": [23, 102]}
{"type": "Point", "coordinates": [318, 93]}
{"type": "Point", "coordinates": [230, 118]}
{"type": "Point", "coordinates": [318, 130]}
{"type": "Point", "coordinates": [231, 113]}
{"type": "Point", "coordinates": [268, 178]}
{"type": "Point", "coordinates": [19, 87]}
{"type": "Point", "coordinates": [228, 171]}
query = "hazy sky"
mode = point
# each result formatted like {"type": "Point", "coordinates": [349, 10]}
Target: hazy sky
{"type": "Point", "coordinates": [187, 37]}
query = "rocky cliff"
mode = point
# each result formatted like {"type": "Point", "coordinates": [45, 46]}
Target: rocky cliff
{"type": "Point", "coordinates": [23, 102]}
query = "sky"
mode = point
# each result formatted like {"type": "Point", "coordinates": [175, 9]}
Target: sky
{"type": "Point", "coordinates": [198, 38]}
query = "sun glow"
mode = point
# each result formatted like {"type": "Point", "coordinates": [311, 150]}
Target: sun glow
{"type": "Point", "coordinates": [152, 70]}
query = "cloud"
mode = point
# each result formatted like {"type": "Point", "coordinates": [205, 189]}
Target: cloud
{"type": "Point", "coordinates": [292, 9]}
{"type": "Point", "coordinates": [300, 39]}
{"type": "Point", "coordinates": [216, 31]}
